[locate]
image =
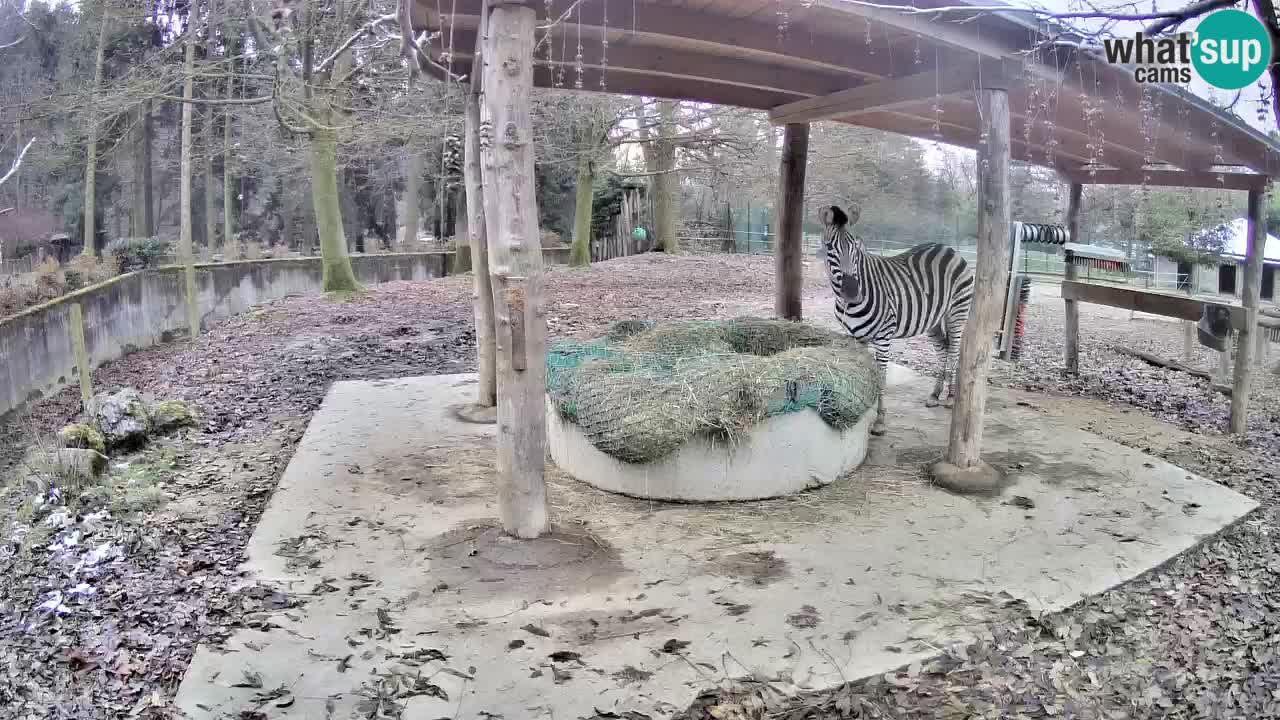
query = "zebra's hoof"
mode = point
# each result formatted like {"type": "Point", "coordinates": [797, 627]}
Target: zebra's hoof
{"type": "Point", "coordinates": [877, 429]}
{"type": "Point", "coordinates": [931, 402]}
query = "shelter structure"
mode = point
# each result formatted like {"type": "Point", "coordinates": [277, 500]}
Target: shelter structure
{"type": "Point", "coordinates": [994, 80]}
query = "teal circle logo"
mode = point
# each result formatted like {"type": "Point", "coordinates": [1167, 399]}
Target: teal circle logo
{"type": "Point", "coordinates": [1232, 49]}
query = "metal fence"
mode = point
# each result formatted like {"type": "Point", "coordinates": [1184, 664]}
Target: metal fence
{"type": "Point", "coordinates": [19, 266]}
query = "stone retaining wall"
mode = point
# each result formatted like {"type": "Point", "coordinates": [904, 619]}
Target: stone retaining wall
{"type": "Point", "coordinates": [142, 309]}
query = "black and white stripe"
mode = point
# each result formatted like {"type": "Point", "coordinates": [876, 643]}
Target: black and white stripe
{"type": "Point", "coordinates": [927, 289]}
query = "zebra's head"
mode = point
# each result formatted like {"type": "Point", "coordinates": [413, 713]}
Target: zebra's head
{"type": "Point", "coordinates": [844, 253]}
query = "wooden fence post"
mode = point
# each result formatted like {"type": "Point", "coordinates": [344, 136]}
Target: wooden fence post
{"type": "Point", "coordinates": [963, 469]}
{"type": "Point", "coordinates": [82, 356]}
{"type": "Point", "coordinates": [789, 250]}
{"type": "Point", "coordinates": [515, 266]}
{"type": "Point", "coordinates": [1250, 297]}
{"type": "Point", "coordinates": [1072, 323]}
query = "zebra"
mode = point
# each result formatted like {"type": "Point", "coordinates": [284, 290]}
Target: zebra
{"type": "Point", "coordinates": [928, 288]}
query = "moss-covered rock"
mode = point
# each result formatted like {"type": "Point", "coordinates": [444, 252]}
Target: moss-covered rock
{"type": "Point", "coordinates": [122, 417]}
{"type": "Point", "coordinates": [83, 437]}
{"type": "Point", "coordinates": [170, 415]}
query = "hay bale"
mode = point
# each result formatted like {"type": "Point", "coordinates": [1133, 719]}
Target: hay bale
{"type": "Point", "coordinates": [645, 389]}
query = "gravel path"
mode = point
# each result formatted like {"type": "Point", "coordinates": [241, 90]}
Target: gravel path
{"type": "Point", "coordinates": [1196, 639]}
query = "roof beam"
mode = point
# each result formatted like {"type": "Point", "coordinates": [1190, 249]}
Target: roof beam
{"type": "Point", "coordinates": [893, 93]}
{"type": "Point", "coordinates": [707, 29]}
{"type": "Point", "coordinates": [1168, 178]}
{"type": "Point", "coordinates": [677, 64]}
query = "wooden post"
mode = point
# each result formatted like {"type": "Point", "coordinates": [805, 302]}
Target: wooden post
{"type": "Point", "coordinates": [82, 356]}
{"type": "Point", "coordinates": [481, 289]}
{"type": "Point", "coordinates": [1072, 323]}
{"type": "Point", "coordinates": [1250, 297]}
{"type": "Point", "coordinates": [515, 266]}
{"type": "Point", "coordinates": [789, 252]}
{"type": "Point", "coordinates": [965, 445]}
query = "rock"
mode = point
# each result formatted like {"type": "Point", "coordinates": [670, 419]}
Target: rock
{"type": "Point", "coordinates": [171, 414]}
{"type": "Point", "coordinates": [82, 436]}
{"type": "Point", "coordinates": [67, 464]}
{"type": "Point", "coordinates": [121, 417]}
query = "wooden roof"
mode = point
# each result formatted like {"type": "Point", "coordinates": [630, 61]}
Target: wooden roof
{"type": "Point", "coordinates": [880, 66]}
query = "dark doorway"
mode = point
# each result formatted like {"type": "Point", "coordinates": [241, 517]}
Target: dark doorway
{"type": "Point", "coordinates": [1268, 282]}
{"type": "Point", "coordinates": [1227, 279]}
{"type": "Point", "coordinates": [1184, 276]}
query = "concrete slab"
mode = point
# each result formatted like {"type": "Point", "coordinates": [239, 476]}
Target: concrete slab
{"type": "Point", "coordinates": [385, 521]}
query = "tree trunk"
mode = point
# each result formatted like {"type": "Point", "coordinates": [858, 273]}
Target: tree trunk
{"type": "Point", "coordinates": [965, 442]}
{"type": "Point", "coordinates": [789, 245]}
{"type": "Point", "coordinates": [667, 184]}
{"type": "Point", "coordinates": [515, 256]}
{"type": "Point", "coordinates": [338, 275]}
{"type": "Point", "coordinates": [210, 199]}
{"type": "Point", "coordinates": [771, 161]}
{"type": "Point", "coordinates": [580, 253]}
{"type": "Point", "coordinates": [91, 163]}
{"type": "Point", "coordinates": [412, 213]}
{"type": "Point", "coordinates": [140, 200]}
{"type": "Point", "coordinates": [228, 201]}
{"type": "Point", "coordinates": [185, 250]}
{"type": "Point", "coordinates": [482, 289]}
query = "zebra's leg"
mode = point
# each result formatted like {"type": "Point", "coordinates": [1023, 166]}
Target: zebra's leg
{"type": "Point", "coordinates": [881, 348]}
{"type": "Point", "coordinates": [939, 337]}
{"type": "Point", "coordinates": [955, 330]}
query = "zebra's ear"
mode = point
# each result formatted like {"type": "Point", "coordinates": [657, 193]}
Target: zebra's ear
{"type": "Point", "coordinates": [832, 215]}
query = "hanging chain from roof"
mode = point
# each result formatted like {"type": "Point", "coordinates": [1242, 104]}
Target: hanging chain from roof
{"type": "Point", "coordinates": [784, 21]}
{"type": "Point", "coordinates": [577, 60]}
{"type": "Point", "coordinates": [871, 49]}
{"type": "Point", "coordinates": [1100, 143]}
{"type": "Point", "coordinates": [937, 95]}
{"type": "Point", "coordinates": [917, 51]}
{"type": "Point", "coordinates": [1049, 108]}
{"type": "Point", "coordinates": [564, 44]}
{"type": "Point", "coordinates": [546, 38]}
{"type": "Point", "coordinates": [1148, 144]}
{"type": "Point", "coordinates": [604, 47]}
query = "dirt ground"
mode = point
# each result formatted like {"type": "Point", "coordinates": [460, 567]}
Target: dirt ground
{"type": "Point", "coordinates": [112, 638]}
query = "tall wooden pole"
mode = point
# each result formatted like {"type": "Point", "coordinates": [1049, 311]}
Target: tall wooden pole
{"type": "Point", "coordinates": [1072, 323]}
{"type": "Point", "coordinates": [789, 251]}
{"type": "Point", "coordinates": [481, 291]}
{"type": "Point", "coordinates": [515, 265]}
{"type": "Point", "coordinates": [965, 445]}
{"type": "Point", "coordinates": [1243, 376]}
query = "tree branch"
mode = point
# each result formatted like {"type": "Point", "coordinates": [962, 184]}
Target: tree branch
{"type": "Point", "coordinates": [1180, 16]}
{"type": "Point", "coordinates": [218, 101]}
{"type": "Point", "coordinates": [368, 28]}
{"type": "Point", "coordinates": [8, 45]}
{"type": "Point", "coordinates": [17, 162]}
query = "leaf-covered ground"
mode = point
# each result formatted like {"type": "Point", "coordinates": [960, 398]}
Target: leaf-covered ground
{"type": "Point", "coordinates": [100, 612]}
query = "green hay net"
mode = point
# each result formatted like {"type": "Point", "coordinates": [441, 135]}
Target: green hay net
{"type": "Point", "coordinates": [644, 389]}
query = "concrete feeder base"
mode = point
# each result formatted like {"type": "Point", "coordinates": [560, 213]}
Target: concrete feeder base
{"type": "Point", "coordinates": [783, 455]}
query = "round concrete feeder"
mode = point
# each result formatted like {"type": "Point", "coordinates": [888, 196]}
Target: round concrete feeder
{"type": "Point", "coordinates": [783, 455]}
